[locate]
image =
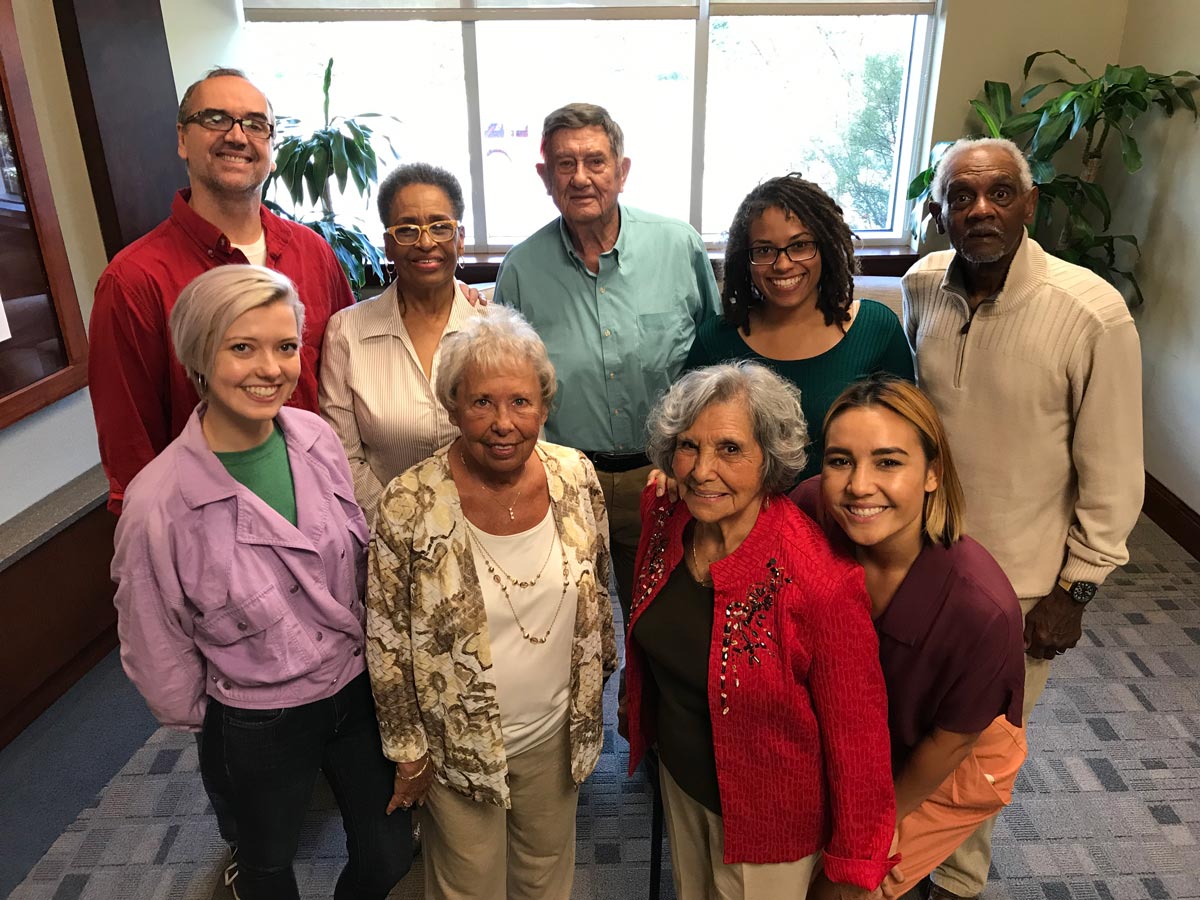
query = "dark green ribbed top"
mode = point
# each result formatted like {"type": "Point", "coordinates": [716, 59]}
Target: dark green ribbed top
{"type": "Point", "coordinates": [874, 343]}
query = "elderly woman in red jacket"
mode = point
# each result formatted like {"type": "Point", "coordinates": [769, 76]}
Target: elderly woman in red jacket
{"type": "Point", "coordinates": [753, 665]}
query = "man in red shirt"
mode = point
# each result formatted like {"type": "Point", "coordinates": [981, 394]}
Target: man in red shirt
{"type": "Point", "coordinates": [140, 393]}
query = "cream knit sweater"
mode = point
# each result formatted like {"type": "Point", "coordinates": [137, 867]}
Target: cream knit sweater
{"type": "Point", "coordinates": [1041, 395]}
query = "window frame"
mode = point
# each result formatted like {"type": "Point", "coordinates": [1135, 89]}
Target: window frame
{"type": "Point", "coordinates": [914, 106]}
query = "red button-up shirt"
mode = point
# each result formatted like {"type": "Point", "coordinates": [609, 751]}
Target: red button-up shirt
{"type": "Point", "coordinates": [141, 395]}
{"type": "Point", "coordinates": [796, 697]}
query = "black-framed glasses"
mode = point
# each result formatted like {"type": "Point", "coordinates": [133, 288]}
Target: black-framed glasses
{"type": "Point", "coordinates": [439, 232]}
{"type": "Point", "coordinates": [219, 120]}
{"type": "Point", "coordinates": [797, 251]}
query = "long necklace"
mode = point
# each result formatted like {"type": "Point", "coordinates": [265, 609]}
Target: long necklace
{"type": "Point", "coordinates": [494, 569]}
{"type": "Point", "coordinates": [512, 515]}
{"type": "Point", "coordinates": [705, 579]}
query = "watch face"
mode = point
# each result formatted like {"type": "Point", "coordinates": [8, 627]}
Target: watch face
{"type": "Point", "coordinates": [1083, 591]}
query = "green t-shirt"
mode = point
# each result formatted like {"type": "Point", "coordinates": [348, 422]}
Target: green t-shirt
{"type": "Point", "coordinates": [875, 342]}
{"type": "Point", "coordinates": [265, 469]}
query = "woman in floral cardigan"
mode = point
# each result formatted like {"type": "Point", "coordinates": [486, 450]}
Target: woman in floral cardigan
{"type": "Point", "coordinates": [489, 626]}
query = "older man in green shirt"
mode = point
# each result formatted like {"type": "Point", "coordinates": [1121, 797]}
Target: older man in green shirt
{"type": "Point", "coordinates": [617, 294]}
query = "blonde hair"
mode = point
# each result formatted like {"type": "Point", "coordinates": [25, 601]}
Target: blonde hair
{"type": "Point", "coordinates": [945, 508]}
{"type": "Point", "coordinates": [212, 302]}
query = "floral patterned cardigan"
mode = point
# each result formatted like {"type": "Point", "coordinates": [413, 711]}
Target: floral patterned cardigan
{"type": "Point", "coordinates": [427, 641]}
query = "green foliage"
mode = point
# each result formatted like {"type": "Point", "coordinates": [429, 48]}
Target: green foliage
{"type": "Point", "coordinates": [343, 152]}
{"type": "Point", "coordinates": [863, 160]}
{"type": "Point", "coordinates": [1095, 108]}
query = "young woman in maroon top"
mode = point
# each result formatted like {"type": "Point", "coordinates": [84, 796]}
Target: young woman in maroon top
{"type": "Point", "coordinates": [949, 625]}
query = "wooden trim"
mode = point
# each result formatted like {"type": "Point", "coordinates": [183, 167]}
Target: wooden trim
{"type": "Point", "coordinates": [1172, 515]}
{"type": "Point", "coordinates": [58, 618]}
{"type": "Point", "coordinates": [33, 705]}
{"type": "Point", "coordinates": [19, 103]}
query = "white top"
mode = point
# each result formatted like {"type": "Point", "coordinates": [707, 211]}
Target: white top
{"type": "Point", "coordinates": [533, 681]}
{"type": "Point", "coordinates": [374, 393]}
{"type": "Point", "coordinates": [256, 253]}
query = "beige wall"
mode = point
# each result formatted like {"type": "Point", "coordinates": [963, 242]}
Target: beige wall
{"type": "Point", "coordinates": [49, 448]}
{"type": "Point", "coordinates": [1161, 204]}
{"type": "Point", "coordinates": [985, 40]}
{"type": "Point", "coordinates": [201, 34]}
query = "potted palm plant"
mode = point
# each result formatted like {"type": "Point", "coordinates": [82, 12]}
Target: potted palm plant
{"type": "Point", "coordinates": [343, 151]}
{"type": "Point", "coordinates": [1074, 213]}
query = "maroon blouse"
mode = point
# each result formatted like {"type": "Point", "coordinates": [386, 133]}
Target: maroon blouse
{"type": "Point", "coordinates": [951, 642]}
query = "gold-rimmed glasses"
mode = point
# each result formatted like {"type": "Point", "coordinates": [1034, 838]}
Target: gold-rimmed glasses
{"type": "Point", "coordinates": [439, 232]}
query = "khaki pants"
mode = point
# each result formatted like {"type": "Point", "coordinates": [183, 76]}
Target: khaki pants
{"type": "Point", "coordinates": [478, 851]}
{"type": "Point", "coordinates": [622, 497]}
{"type": "Point", "coordinates": [965, 872]}
{"type": "Point", "coordinates": [698, 850]}
{"type": "Point", "coordinates": [974, 792]}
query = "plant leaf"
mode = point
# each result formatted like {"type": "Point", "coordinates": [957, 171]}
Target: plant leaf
{"type": "Point", "coordinates": [1031, 58]}
{"type": "Point", "coordinates": [988, 116]}
{"type": "Point", "coordinates": [1185, 96]}
{"type": "Point", "coordinates": [920, 185]}
{"type": "Point", "coordinates": [328, 80]}
{"type": "Point", "coordinates": [1050, 135]}
{"type": "Point", "coordinates": [1042, 171]}
{"type": "Point", "coordinates": [1130, 154]}
{"type": "Point", "coordinates": [1099, 199]}
{"type": "Point", "coordinates": [340, 164]}
{"type": "Point", "coordinates": [1017, 125]}
{"type": "Point", "coordinates": [1083, 114]}
{"type": "Point", "coordinates": [999, 97]}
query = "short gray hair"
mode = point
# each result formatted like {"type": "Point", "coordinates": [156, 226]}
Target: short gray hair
{"type": "Point", "coordinates": [775, 415]}
{"type": "Point", "coordinates": [937, 190]}
{"type": "Point", "coordinates": [212, 302]}
{"type": "Point", "coordinates": [584, 115]}
{"type": "Point", "coordinates": [494, 340]}
{"type": "Point", "coordinates": [219, 72]}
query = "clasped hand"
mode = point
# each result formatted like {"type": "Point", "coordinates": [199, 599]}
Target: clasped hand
{"type": "Point", "coordinates": [412, 784]}
{"type": "Point", "coordinates": [1054, 625]}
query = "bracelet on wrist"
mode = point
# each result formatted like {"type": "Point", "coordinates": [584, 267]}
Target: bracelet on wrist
{"type": "Point", "coordinates": [414, 777]}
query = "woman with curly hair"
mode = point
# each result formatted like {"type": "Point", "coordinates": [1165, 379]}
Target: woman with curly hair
{"type": "Point", "coordinates": [788, 301]}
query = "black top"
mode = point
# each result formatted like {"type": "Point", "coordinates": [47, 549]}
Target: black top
{"type": "Point", "coordinates": [675, 634]}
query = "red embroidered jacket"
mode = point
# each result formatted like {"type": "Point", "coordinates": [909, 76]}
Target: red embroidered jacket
{"type": "Point", "coordinates": [797, 700]}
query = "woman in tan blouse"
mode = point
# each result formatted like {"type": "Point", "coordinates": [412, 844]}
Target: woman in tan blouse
{"type": "Point", "coordinates": [379, 365]}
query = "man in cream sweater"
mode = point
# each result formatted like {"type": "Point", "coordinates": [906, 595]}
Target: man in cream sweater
{"type": "Point", "coordinates": [1035, 366]}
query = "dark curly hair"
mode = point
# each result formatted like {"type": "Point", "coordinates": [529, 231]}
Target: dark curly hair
{"type": "Point", "coordinates": [821, 216]}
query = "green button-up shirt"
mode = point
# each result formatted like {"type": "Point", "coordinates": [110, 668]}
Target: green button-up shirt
{"type": "Point", "coordinates": [618, 338]}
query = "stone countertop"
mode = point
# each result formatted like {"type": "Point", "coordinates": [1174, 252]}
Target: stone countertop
{"type": "Point", "coordinates": [28, 530]}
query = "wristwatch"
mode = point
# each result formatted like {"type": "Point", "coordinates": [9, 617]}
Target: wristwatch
{"type": "Point", "coordinates": [1081, 592]}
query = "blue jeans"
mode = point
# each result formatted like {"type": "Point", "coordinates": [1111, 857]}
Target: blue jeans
{"type": "Point", "coordinates": [270, 759]}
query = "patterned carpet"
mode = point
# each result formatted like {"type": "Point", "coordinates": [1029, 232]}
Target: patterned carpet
{"type": "Point", "coordinates": [1106, 808]}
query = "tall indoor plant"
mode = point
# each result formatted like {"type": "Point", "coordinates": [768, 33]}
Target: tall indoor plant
{"type": "Point", "coordinates": [1074, 213]}
{"type": "Point", "coordinates": [343, 150]}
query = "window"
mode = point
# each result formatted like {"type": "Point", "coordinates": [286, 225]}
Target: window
{"type": "Point", "coordinates": [712, 98]}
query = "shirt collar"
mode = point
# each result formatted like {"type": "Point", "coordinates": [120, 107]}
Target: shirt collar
{"type": "Point", "coordinates": [213, 242]}
{"type": "Point", "coordinates": [617, 249]}
{"type": "Point", "coordinates": [202, 478]}
{"type": "Point", "coordinates": [919, 599]}
{"type": "Point", "coordinates": [1027, 271]}
{"type": "Point", "coordinates": [381, 315]}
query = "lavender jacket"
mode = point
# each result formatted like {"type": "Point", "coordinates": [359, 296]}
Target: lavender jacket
{"type": "Point", "coordinates": [218, 595]}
